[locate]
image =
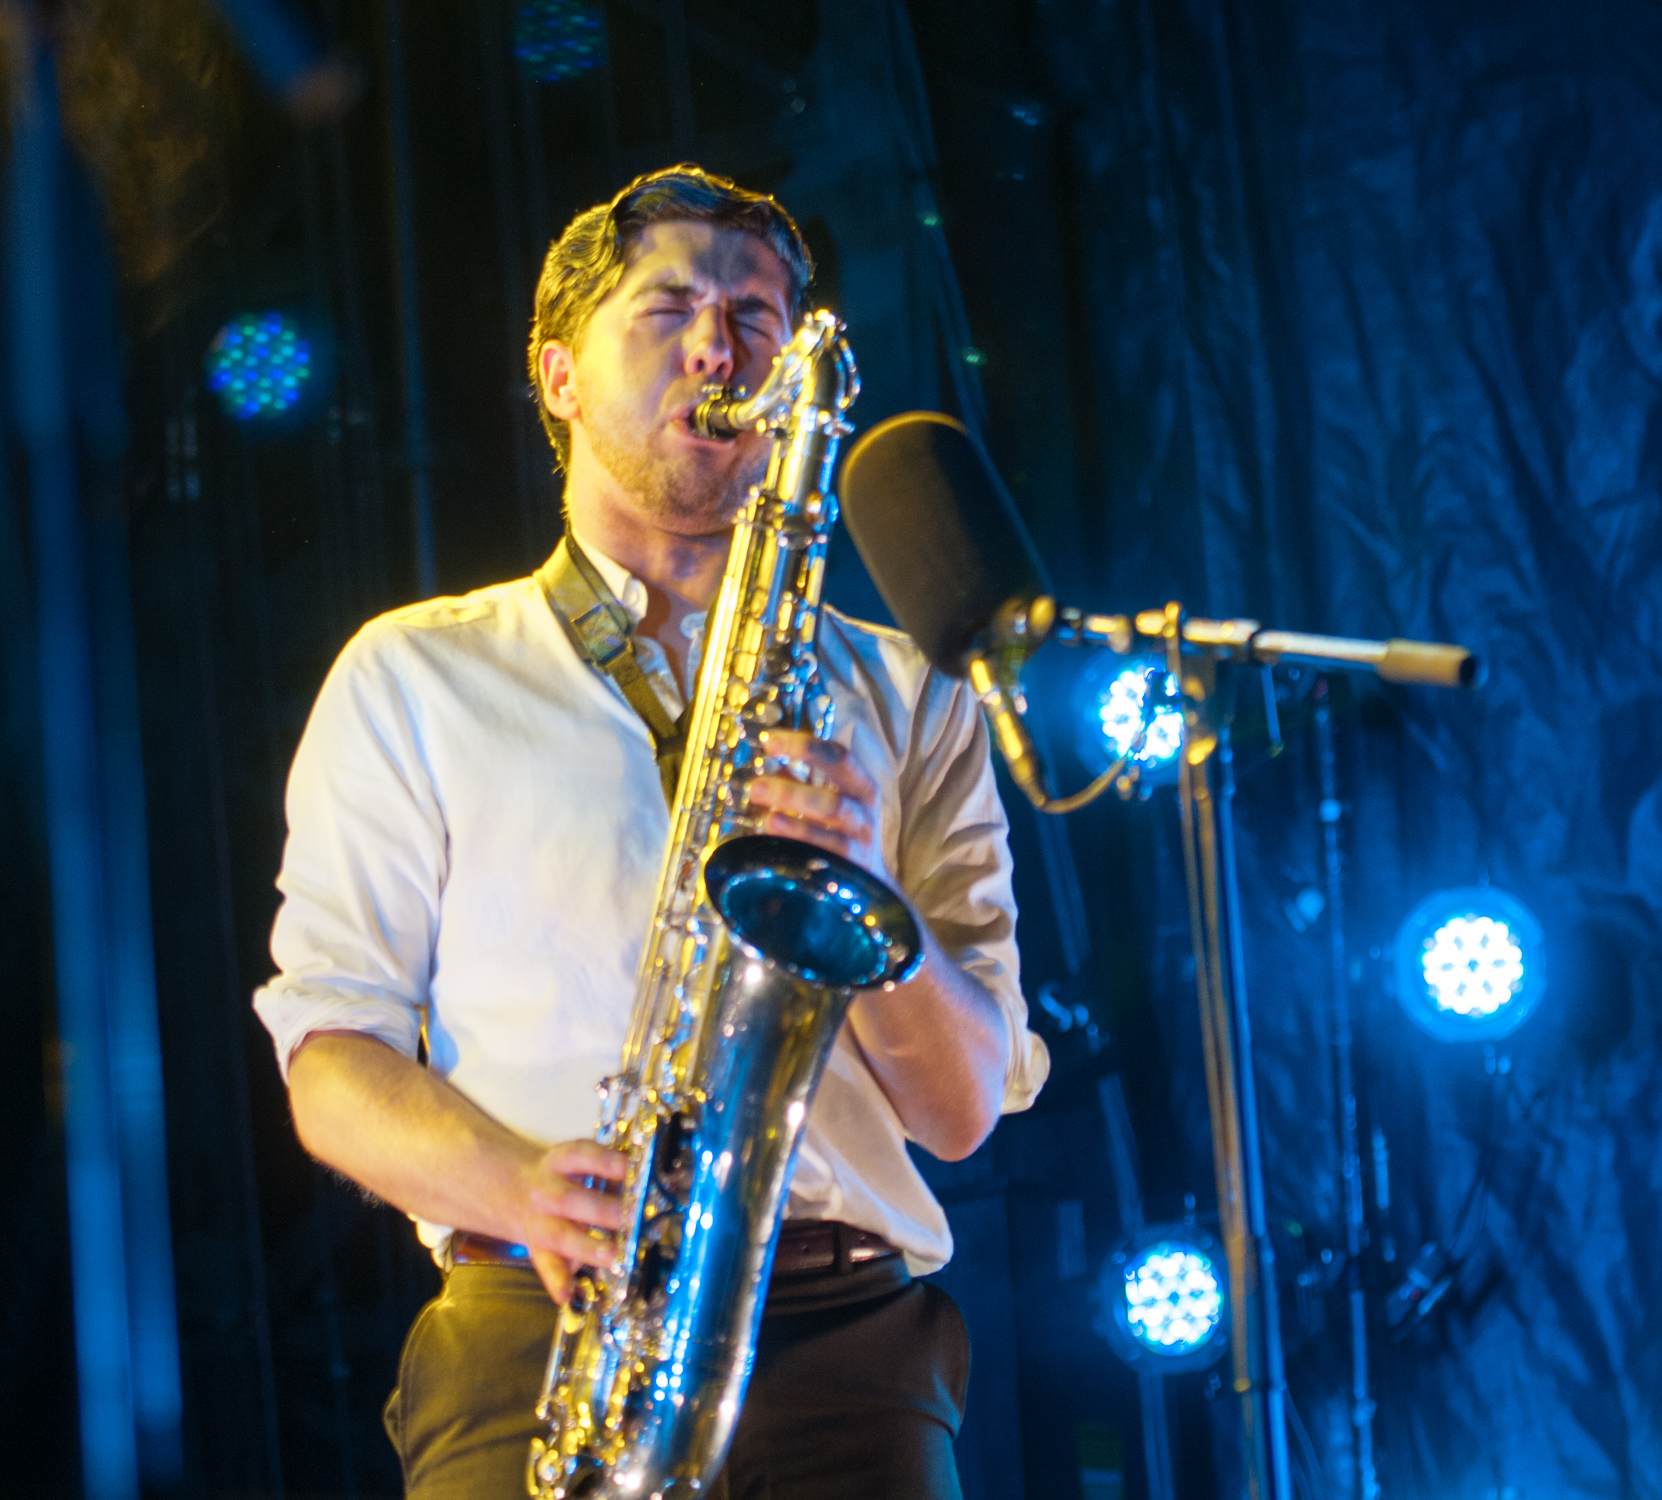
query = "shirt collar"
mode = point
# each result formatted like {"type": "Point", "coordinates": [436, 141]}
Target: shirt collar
{"type": "Point", "coordinates": [629, 591]}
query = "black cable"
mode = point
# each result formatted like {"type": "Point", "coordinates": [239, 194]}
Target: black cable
{"type": "Point", "coordinates": [1487, 1157]}
{"type": "Point", "coordinates": [1478, 1194]}
{"type": "Point", "coordinates": [1437, 1266]}
{"type": "Point", "coordinates": [1309, 1465]}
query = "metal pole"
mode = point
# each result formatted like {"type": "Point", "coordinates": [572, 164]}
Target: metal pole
{"type": "Point", "coordinates": [417, 450]}
{"type": "Point", "coordinates": [1350, 1151]}
{"type": "Point", "coordinates": [1267, 1401]}
{"type": "Point", "coordinates": [75, 835]}
{"type": "Point", "coordinates": [250, 566]}
{"type": "Point", "coordinates": [1151, 1389]}
{"type": "Point", "coordinates": [235, 995]}
{"type": "Point", "coordinates": [134, 1033]}
{"type": "Point", "coordinates": [1209, 873]}
{"type": "Point", "coordinates": [510, 247]}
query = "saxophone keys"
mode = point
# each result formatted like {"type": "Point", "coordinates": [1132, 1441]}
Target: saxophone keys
{"type": "Point", "coordinates": [536, 1481]}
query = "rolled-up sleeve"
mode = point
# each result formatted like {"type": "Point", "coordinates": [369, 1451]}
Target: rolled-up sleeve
{"type": "Point", "coordinates": [364, 865]}
{"type": "Point", "coordinates": [955, 864]}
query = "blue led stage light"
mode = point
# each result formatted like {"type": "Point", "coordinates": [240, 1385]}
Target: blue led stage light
{"type": "Point", "coordinates": [1119, 699]}
{"type": "Point", "coordinates": [1469, 964]}
{"type": "Point", "coordinates": [258, 366]}
{"type": "Point", "coordinates": [559, 39]}
{"type": "Point", "coordinates": [1165, 1299]}
{"type": "Point", "coordinates": [1172, 1300]}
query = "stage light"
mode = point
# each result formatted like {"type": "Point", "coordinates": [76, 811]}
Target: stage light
{"type": "Point", "coordinates": [1120, 699]}
{"type": "Point", "coordinates": [258, 366]}
{"type": "Point", "coordinates": [1172, 1301]}
{"type": "Point", "coordinates": [1164, 1295]}
{"type": "Point", "coordinates": [1469, 964]}
{"type": "Point", "coordinates": [559, 39]}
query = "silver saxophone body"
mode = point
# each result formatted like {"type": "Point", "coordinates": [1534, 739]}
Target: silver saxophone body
{"type": "Point", "coordinates": [757, 946]}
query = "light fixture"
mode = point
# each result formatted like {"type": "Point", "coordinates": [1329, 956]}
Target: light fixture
{"type": "Point", "coordinates": [555, 40]}
{"type": "Point", "coordinates": [1120, 699]}
{"type": "Point", "coordinates": [258, 366]}
{"type": "Point", "coordinates": [1469, 964]}
{"type": "Point", "coordinates": [1164, 1295]}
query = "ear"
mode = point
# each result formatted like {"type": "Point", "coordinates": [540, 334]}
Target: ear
{"type": "Point", "coordinates": [556, 367]}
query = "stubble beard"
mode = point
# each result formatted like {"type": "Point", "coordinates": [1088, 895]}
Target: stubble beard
{"type": "Point", "coordinates": [687, 492]}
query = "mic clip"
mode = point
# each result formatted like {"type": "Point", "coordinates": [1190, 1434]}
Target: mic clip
{"type": "Point", "coordinates": [994, 662]}
{"type": "Point", "coordinates": [1014, 633]}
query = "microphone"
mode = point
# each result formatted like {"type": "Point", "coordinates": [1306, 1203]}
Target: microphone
{"type": "Point", "coordinates": [947, 550]}
{"type": "Point", "coordinates": [953, 562]}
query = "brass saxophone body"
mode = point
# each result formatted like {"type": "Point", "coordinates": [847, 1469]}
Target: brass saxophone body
{"type": "Point", "coordinates": [757, 945]}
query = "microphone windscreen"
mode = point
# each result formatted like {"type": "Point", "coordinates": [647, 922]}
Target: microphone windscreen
{"type": "Point", "coordinates": [937, 531]}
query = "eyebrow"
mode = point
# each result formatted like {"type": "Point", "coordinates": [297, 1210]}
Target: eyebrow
{"type": "Point", "coordinates": [681, 289]}
{"type": "Point", "coordinates": [663, 287]}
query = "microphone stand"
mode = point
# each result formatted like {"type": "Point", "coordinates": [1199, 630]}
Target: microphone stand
{"type": "Point", "coordinates": [1209, 871]}
{"type": "Point", "coordinates": [1194, 651]}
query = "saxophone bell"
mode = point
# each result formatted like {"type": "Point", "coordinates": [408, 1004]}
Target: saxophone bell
{"type": "Point", "coordinates": [816, 915]}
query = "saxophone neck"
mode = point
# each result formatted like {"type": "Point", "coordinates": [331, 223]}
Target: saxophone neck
{"type": "Point", "coordinates": [816, 364]}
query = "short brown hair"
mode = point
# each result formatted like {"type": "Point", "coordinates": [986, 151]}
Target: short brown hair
{"type": "Point", "coordinates": [587, 261]}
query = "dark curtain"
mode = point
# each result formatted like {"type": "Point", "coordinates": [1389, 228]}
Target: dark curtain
{"type": "Point", "coordinates": [1346, 318]}
{"type": "Point", "coordinates": [1371, 311]}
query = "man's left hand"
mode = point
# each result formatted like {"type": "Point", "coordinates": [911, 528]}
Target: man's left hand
{"type": "Point", "coordinates": [836, 809]}
{"type": "Point", "coordinates": [939, 1044]}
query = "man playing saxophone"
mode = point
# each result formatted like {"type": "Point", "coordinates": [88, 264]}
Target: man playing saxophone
{"type": "Point", "coordinates": [476, 815]}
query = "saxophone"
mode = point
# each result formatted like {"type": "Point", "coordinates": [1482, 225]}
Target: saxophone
{"type": "Point", "coordinates": [756, 948]}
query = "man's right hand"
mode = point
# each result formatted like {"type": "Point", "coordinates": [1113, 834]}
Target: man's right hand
{"type": "Point", "coordinates": [567, 1224]}
{"type": "Point", "coordinates": [415, 1142]}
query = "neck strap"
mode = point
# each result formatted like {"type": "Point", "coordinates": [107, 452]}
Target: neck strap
{"type": "Point", "coordinates": [602, 631]}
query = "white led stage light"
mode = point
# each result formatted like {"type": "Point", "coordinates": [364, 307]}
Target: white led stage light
{"type": "Point", "coordinates": [1165, 1299]}
{"type": "Point", "coordinates": [1469, 964]}
{"type": "Point", "coordinates": [1172, 1301]}
{"type": "Point", "coordinates": [1120, 700]}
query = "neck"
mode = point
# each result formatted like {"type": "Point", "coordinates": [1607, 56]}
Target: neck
{"type": "Point", "coordinates": [681, 573]}
{"type": "Point", "coordinates": [684, 573]}
{"type": "Point", "coordinates": [682, 576]}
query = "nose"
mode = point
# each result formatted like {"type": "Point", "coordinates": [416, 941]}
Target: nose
{"type": "Point", "coordinates": [709, 346]}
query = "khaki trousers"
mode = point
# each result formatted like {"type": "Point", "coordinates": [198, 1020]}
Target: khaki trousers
{"type": "Point", "coordinates": [857, 1392]}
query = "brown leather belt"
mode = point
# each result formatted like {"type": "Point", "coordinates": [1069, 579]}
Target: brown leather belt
{"type": "Point", "coordinates": [824, 1245]}
{"type": "Point", "coordinates": [804, 1245]}
{"type": "Point", "coordinates": [469, 1249]}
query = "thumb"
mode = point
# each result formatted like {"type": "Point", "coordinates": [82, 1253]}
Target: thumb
{"type": "Point", "coordinates": [555, 1271]}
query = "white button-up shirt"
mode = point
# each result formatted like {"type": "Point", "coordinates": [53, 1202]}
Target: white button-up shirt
{"type": "Point", "coordinates": [476, 826]}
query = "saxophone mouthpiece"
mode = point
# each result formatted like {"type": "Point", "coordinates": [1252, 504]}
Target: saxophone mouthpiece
{"type": "Point", "coordinates": [713, 416]}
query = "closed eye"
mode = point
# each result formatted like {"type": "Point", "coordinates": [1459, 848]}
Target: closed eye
{"type": "Point", "coordinates": [758, 316]}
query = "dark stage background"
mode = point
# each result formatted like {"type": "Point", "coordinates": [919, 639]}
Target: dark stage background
{"type": "Point", "coordinates": [1345, 317]}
